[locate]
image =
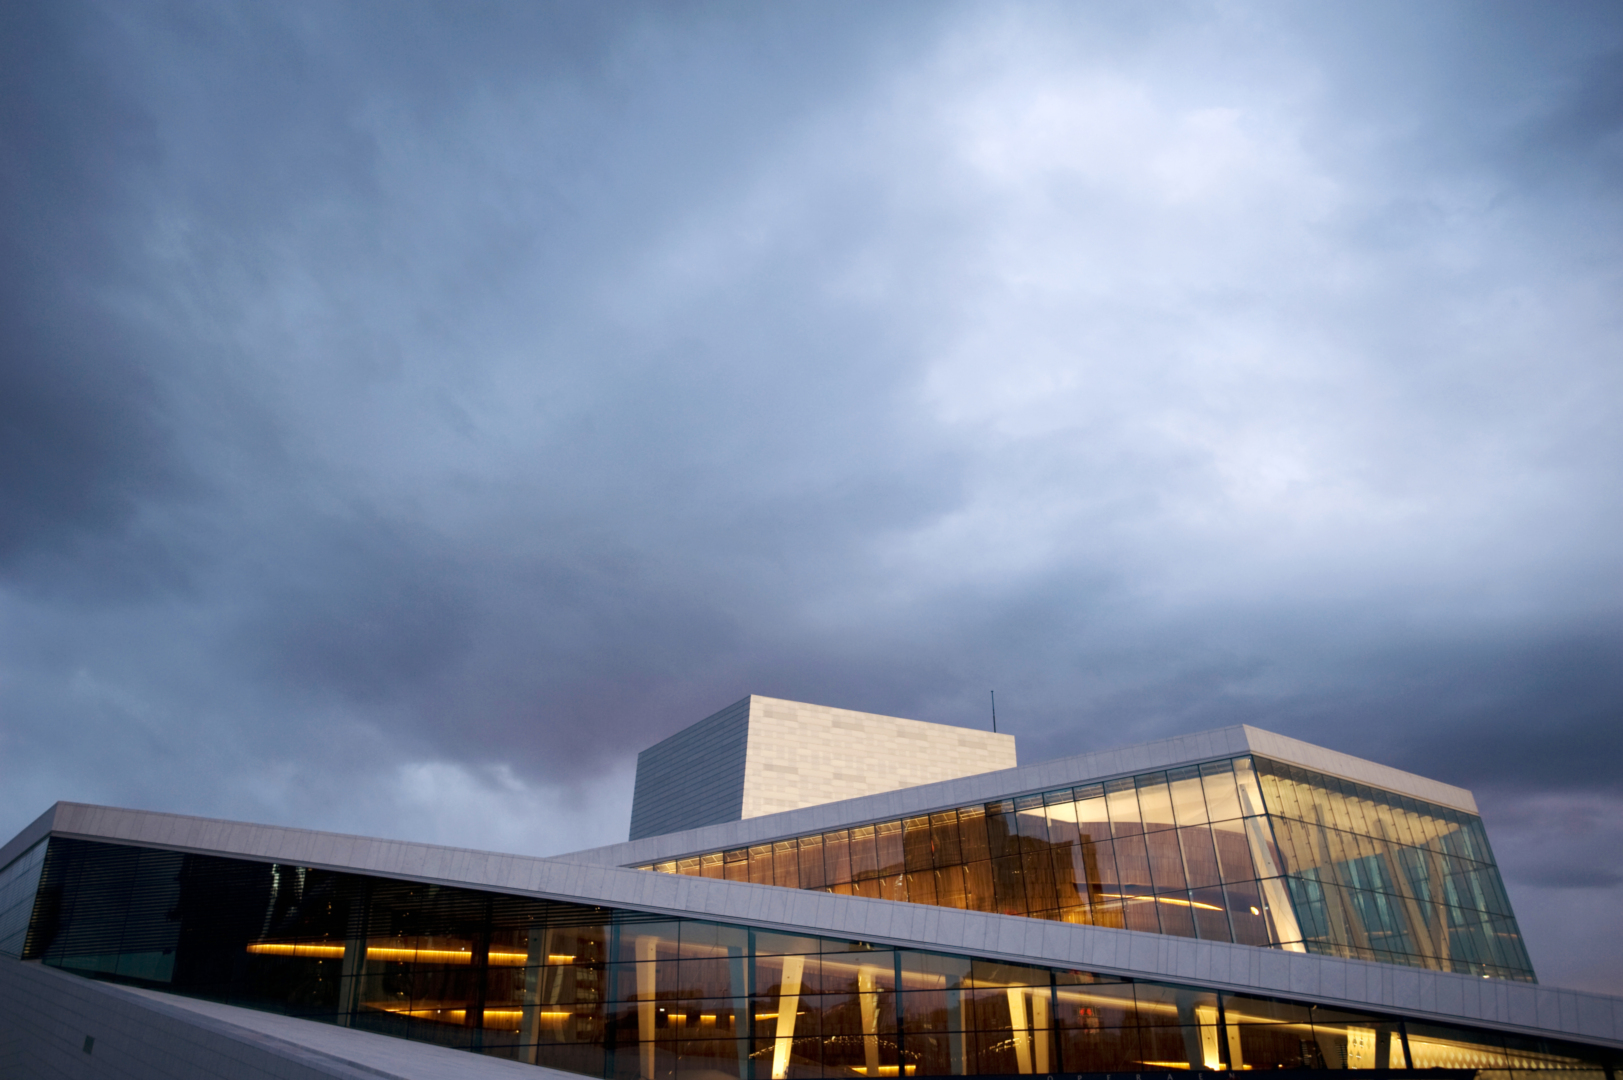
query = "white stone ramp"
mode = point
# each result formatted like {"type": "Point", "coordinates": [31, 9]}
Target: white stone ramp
{"type": "Point", "coordinates": [57, 1025]}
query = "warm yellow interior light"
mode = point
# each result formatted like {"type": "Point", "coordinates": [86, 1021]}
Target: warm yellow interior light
{"type": "Point", "coordinates": [510, 1015]}
{"type": "Point", "coordinates": [429, 956]}
{"type": "Point", "coordinates": [1161, 900]}
{"type": "Point", "coordinates": [397, 953]}
{"type": "Point", "coordinates": [499, 1018]}
{"type": "Point", "coordinates": [277, 948]}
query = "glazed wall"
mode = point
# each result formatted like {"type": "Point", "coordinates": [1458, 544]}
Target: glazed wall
{"type": "Point", "coordinates": [621, 994]}
{"type": "Point", "coordinates": [1243, 850]}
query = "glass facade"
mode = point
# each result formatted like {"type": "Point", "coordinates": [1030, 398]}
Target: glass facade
{"type": "Point", "coordinates": [1378, 876]}
{"type": "Point", "coordinates": [1244, 850]}
{"type": "Point", "coordinates": [631, 996]}
{"type": "Point", "coordinates": [18, 882]}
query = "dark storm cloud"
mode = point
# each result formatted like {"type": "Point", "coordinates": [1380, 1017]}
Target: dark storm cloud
{"type": "Point", "coordinates": [406, 416]}
{"type": "Point", "coordinates": [81, 441]}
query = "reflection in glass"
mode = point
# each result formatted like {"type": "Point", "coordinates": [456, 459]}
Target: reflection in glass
{"type": "Point", "coordinates": [1242, 849]}
{"type": "Point", "coordinates": [619, 994]}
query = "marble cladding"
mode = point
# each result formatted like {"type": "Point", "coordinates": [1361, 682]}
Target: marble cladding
{"type": "Point", "coordinates": [802, 755]}
{"type": "Point", "coordinates": [765, 755]}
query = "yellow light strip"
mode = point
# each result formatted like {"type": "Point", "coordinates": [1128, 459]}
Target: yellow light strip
{"type": "Point", "coordinates": [1160, 900]}
{"type": "Point", "coordinates": [397, 953]}
{"type": "Point", "coordinates": [267, 948]}
{"type": "Point", "coordinates": [442, 956]}
{"type": "Point", "coordinates": [455, 1016]}
{"type": "Point", "coordinates": [493, 1017]}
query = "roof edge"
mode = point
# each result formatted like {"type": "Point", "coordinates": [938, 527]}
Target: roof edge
{"type": "Point", "coordinates": [1529, 1008]}
{"type": "Point", "coordinates": [31, 834]}
{"type": "Point", "coordinates": [1085, 768]}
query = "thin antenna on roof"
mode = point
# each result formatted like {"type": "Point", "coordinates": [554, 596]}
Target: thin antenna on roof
{"type": "Point", "coordinates": [994, 711]}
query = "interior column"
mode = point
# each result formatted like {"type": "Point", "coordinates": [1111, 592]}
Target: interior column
{"type": "Point", "coordinates": [647, 950]}
{"type": "Point", "coordinates": [788, 1006]}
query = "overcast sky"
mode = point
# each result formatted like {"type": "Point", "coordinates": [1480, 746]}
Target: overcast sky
{"type": "Point", "coordinates": [407, 413]}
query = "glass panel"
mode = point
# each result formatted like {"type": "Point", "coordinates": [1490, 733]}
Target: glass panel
{"type": "Point", "coordinates": [864, 857]}
{"type": "Point", "coordinates": [1137, 891]}
{"type": "Point", "coordinates": [1233, 851]}
{"type": "Point", "coordinates": [1008, 885]}
{"type": "Point", "coordinates": [917, 844]}
{"type": "Point", "coordinates": [1032, 819]}
{"type": "Point", "coordinates": [812, 871]}
{"type": "Point", "coordinates": [972, 833]}
{"type": "Point", "coordinates": [1092, 821]}
{"type": "Point", "coordinates": [1155, 802]}
{"type": "Point", "coordinates": [921, 887]}
{"type": "Point", "coordinates": [1246, 781]}
{"type": "Point", "coordinates": [979, 894]}
{"type": "Point", "coordinates": [1178, 1027]}
{"type": "Point", "coordinates": [761, 864]}
{"type": "Point", "coordinates": [1062, 825]}
{"type": "Point", "coordinates": [1122, 798]}
{"type": "Point", "coordinates": [786, 864]}
{"type": "Point", "coordinates": [1001, 829]}
{"type": "Point", "coordinates": [1200, 857]}
{"type": "Point", "coordinates": [1222, 797]}
{"type": "Point", "coordinates": [1104, 885]}
{"type": "Point", "coordinates": [1210, 910]}
{"type": "Point", "coordinates": [944, 835]}
{"type": "Point", "coordinates": [1436, 1047]}
{"type": "Point", "coordinates": [1038, 871]}
{"type": "Point", "coordinates": [1098, 1028]}
{"type": "Point", "coordinates": [1166, 862]}
{"type": "Point", "coordinates": [1188, 798]}
{"type": "Point", "coordinates": [888, 849]}
{"type": "Point", "coordinates": [18, 883]}
{"type": "Point", "coordinates": [837, 856]}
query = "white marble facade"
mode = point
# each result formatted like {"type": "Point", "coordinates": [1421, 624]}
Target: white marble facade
{"type": "Point", "coordinates": [765, 755]}
{"type": "Point", "coordinates": [802, 755]}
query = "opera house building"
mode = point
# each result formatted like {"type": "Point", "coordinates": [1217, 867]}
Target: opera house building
{"type": "Point", "coordinates": [811, 892]}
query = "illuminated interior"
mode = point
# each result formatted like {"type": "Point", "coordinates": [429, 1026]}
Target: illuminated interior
{"type": "Point", "coordinates": [622, 995]}
{"type": "Point", "coordinates": [1244, 850]}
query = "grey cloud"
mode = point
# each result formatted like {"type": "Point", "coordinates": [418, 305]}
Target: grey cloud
{"type": "Point", "coordinates": [81, 436]}
{"type": "Point", "coordinates": [413, 407]}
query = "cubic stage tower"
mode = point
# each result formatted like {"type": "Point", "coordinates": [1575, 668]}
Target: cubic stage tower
{"type": "Point", "coordinates": [812, 892]}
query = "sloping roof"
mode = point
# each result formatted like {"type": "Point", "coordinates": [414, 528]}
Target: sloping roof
{"type": "Point", "coordinates": [1512, 1006]}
